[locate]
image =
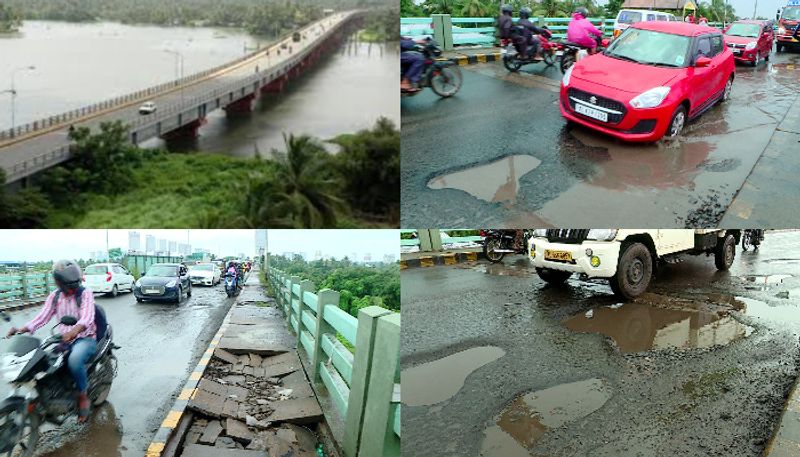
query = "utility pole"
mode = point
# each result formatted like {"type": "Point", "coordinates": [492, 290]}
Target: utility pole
{"type": "Point", "coordinates": [755, 9]}
{"type": "Point", "coordinates": [13, 92]}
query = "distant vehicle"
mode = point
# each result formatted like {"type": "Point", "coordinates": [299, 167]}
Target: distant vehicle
{"type": "Point", "coordinates": [627, 17]}
{"type": "Point", "coordinates": [147, 108]}
{"type": "Point", "coordinates": [206, 274]}
{"type": "Point", "coordinates": [108, 278]}
{"type": "Point", "coordinates": [296, 37]}
{"type": "Point", "coordinates": [788, 19]}
{"type": "Point", "coordinates": [164, 281]}
{"type": "Point", "coordinates": [750, 41]}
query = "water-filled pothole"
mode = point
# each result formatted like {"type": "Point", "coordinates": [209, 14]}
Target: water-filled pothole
{"type": "Point", "coordinates": [637, 327]}
{"type": "Point", "coordinates": [764, 282]}
{"type": "Point", "coordinates": [436, 381]}
{"type": "Point", "coordinates": [518, 427]}
{"type": "Point", "coordinates": [496, 181]}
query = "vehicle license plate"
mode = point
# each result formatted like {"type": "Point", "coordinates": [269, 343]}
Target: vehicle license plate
{"type": "Point", "coordinates": [591, 112]}
{"type": "Point", "coordinates": [559, 256]}
{"type": "Point", "coordinates": [152, 291]}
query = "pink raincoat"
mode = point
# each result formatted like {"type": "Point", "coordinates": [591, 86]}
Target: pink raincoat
{"type": "Point", "coordinates": [580, 31]}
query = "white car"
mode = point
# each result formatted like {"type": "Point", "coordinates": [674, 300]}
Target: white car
{"type": "Point", "coordinates": [147, 108]}
{"type": "Point", "coordinates": [627, 17]}
{"type": "Point", "coordinates": [109, 278]}
{"type": "Point", "coordinates": [206, 274]}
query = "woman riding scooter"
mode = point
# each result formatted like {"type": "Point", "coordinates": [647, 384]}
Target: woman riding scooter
{"type": "Point", "coordinates": [580, 30]}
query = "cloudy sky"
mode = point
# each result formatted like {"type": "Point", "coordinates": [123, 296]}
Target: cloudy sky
{"type": "Point", "coordinates": [36, 245]}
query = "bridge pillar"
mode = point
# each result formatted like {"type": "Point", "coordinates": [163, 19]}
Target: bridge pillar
{"type": "Point", "coordinates": [275, 86]}
{"type": "Point", "coordinates": [243, 105]}
{"type": "Point", "coordinates": [186, 131]}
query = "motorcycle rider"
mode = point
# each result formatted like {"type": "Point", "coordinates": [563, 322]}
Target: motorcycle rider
{"type": "Point", "coordinates": [505, 23]}
{"type": "Point", "coordinates": [580, 30]}
{"type": "Point", "coordinates": [527, 36]}
{"type": "Point", "coordinates": [413, 62]}
{"type": "Point", "coordinates": [81, 336]}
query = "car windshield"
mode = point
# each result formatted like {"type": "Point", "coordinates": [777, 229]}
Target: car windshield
{"type": "Point", "coordinates": [791, 13]}
{"type": "Point", "coordinates": [629, 17]}
{"type": "Point", "coordinates": [745, 30]}
{"type": "Point", "coordinates": [650, 48]}
{"type": "Point", "coordinates": [203, 267]}
{"type": "Point", "coordinates": [162, 270]}
{"type": "Point", "coordinates": [96, 270]}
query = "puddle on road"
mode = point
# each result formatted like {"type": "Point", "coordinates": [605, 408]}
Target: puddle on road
{"type": "Point", "coordinates": [496, 181]}
{"type": "Point", "coordinates": [436, 381]}
{"type": "Point", "coordinates": [517, 428]}
{"type": "Point", "coordinates": [101, 437]}
{"type": "Point", "coordinates": [764, 282]}
{"type": "Point", "coordinates": [637, 327]}
{"type": "Point", "coordinates": [521, 268]}
{"type": "Point", "coordinates": [784, 315]}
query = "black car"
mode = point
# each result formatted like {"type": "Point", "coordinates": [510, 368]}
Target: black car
{"type": "Point", "coordinates": [164, 281]}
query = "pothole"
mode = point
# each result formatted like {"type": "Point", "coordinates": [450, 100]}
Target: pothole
{"type": "Point", "coordinates": [496, 181]}
{"type": "Point", "coordinates": [764, 282]}
{"type": "Point", "coordinates": [636, 327]}
{"type": "Point", "coordinates": [436, 381]}
{"type": "Point", "coordinates": [515, 431]}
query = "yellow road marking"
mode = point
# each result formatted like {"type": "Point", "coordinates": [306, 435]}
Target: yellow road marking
{"type": "Point", "coordinates": [172, 419]}
{"type": "Point", "coordinates": [155, 449]}
{"type": "Point", "coordinates": [186, 394]}
{"type": "Point", "coordinates": [195, 376]}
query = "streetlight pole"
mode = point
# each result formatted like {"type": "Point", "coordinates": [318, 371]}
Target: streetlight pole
{"type": "Point", "coordinates": [178, 64]}
{"type": "Point", "coordinates": [13, 92]}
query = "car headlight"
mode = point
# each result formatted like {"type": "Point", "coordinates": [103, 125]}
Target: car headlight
{"type": "Point", "coordinates": [171, 283]}
{"type": "Point", "coordinates": [567, 74]}
{"type": "Point", "coordinates": [750, 46]}
{"type": "Point", "coordinates": [650, 98]}
{"type": "Point", "coordinates": [601, 234]}
{"type": "Point", "coordinates": [781, 30]}
{"type": "Point", "coordinates": [541, 233]}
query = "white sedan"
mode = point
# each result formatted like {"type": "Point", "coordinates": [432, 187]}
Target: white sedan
{"type": "Point", "coordinates": [205, 274]}
{"type": "Point", "coordinates": [109, 278]}
{"type": "Point", "coordinates": [147, 108]}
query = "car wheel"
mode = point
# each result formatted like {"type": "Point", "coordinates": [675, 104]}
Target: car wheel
{"type": "Point", "coordinates": [725, 252]}
{"type": "Point", "coordinates": [189, 291]}
{"type": "Point", "coordinates": [114, 291]}
{"type": "Point", "coordinates": [180, 295]}
{"type": "Point", "coordinates": [677, 123]}
{"type": "Point", "coordinates": [726, 93]}
{"type": "Point", "coordinates": [634, 270]}
{"type": "Point", "coordinates": [139, 300]}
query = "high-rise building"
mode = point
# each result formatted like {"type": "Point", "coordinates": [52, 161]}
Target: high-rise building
{"type": "Point", "coordinates": [162, 245]}
{"type": "Point", "coordinates": [133, 242]}
{"type": "Point", "coordinates": [173, 247]}
{"type": "Point", "coordinates": [150, 244]}
{"type": "Point", "coordinates": [368, 257]}
{"type": "Point", "coordinates": [261, 242]}
{"type": "Point", "coordinates": [184, 249]}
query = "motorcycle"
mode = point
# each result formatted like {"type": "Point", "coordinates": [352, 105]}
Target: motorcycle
{"type": "Point", "coordinates": [442, 76]}
{"type": "Point", "coordinates": [44, 389]}
{"type": "Point", "coordinates": [498, 243]}
{"type": "Point", "coordinates": [513, 61]}
{"type": "Point", "coordinates": [570, 51]}
{"type": "Point", "coordinates": [752, 238]}
{"type": "Point", "coordinates": [232, 286]}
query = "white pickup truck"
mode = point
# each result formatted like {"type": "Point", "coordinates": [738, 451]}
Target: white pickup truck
{"type": "Point", "coordinates": [627, 258]}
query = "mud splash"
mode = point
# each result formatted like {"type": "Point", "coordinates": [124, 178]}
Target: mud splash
{"type": "Point", "coordinates": [496, 181]}
{"type": "Point", "coordinates": [436, 381]}
{"type": "Point", "coordinates": [515, 431]}
{"type": "Point", "coordinates": [636, 327]}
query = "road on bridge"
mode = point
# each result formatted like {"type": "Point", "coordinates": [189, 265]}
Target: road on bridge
{"type": "Point", "coordinates": [161, 344]}
{"type": "Point", "coordinates": [687, 369]}
{"type": "Point", "coordinates": [521, 165]}
{"type": "Point", "coordinates": [40, 143]}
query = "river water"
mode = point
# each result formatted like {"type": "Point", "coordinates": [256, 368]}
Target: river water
{"type": "Point", "coordinates": [78, 64]}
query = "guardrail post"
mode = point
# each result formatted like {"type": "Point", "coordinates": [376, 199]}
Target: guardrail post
{"type": "Point", "coordinates": [377, 434]}
{"type": "Point", "coordinates": [295, 280]}
{"type": "Point", "coordinates": [362, 364]}
{"type": "Point", "coordinates": [443, 30]}
{"type": "Point", "coordinates": [324, 297]}
{"type": "Point", "coordinates": [305, 286]}
{"type": "Point", "coordinates": [24, 281]}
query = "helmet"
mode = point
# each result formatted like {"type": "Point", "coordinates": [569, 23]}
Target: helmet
{"type": "Point", "coordinates": [507, 9]}
{"type": "Point", "coordinates": [525, 12]}
{"type": "Point", "coordinates": [67, 274]}
{"type": "Point", "coordinates": [582, 11]}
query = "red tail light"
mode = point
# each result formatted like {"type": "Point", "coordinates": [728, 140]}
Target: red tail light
{"type": "Point", "coordinates": [108, 276]}
{"type": "Point", "coordinates": [483, 233]}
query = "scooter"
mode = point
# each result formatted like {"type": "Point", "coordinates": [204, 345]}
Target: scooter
{"type": "Point", "coordinates": [572, 52]}
{"type": "Point", "coordinates": [513, 61]}
{"type": "Point", "coordinates": [231, 285]}
{"type": "Point", "coordinates": [44, 389]}
{"type": "Point", "coordinates": [442, 76]}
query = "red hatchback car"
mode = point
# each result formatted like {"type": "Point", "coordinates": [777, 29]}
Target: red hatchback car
{"type": "Point", "coordinates": [750, 41]}
{"type": "Point", "coordinates": [650, 81]}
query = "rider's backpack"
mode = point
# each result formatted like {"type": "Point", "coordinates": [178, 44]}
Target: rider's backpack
{"type": "Point", "coordinates": [100, 321]}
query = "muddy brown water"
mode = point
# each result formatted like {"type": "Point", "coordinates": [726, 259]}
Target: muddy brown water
{"type": "Point", "coordinates": [496, 181]}
{"type": "Point", "coordinates": [517, 428]}
{"type": "Point", "coordinates": [436, 381]}
{"type": "Point", "coordinates": [637, 327]}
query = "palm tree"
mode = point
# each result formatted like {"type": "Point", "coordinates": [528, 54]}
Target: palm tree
{"type": "Point", "coordinates": [550, 8]}
{"type": "Point", "coordinates": [475, 8]}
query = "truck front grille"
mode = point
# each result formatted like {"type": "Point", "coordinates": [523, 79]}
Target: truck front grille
{"type": "Point", "coordinates": [569, 236]}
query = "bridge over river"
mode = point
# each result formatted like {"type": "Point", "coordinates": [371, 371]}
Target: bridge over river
{"type": "Point", "coordinates": [182, 105]}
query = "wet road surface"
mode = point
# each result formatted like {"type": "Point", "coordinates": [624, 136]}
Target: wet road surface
{"type": "Point", "coordinates": [161, 343]}
{"type": "Point", "coordinates": [700, 365]}
{"type": "Point", "coordinates": [574, 174]}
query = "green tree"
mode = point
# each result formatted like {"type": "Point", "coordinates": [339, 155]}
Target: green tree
{"type": "Point", "coordinates": [115, 254]}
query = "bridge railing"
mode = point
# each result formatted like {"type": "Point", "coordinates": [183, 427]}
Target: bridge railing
{"type": "Point", "coordinates": [362, 385]}
{"type": "Point", "coordinates": [140, 95]}
{"type": "Point", "coordinates": [24, 287]}
{"type": "Point", "coordinates": [432, 240]}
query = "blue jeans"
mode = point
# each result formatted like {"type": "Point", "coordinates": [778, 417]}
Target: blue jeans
{"type": "Point", "coordinates": [414, 63]}
{"type": "Point", "coordinates": [81, 351]}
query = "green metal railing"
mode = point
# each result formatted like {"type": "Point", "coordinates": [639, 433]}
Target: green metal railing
{"type": "Point", "coordinates": [25, 287]}
{"type": "Point", "coordinates": [430, 239]}
{"type": "Point", "coordinates": [363, 385]}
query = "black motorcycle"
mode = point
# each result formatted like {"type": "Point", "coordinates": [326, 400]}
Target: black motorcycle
{"type": "Point", "coordinates": [442, 76]}
{"type": "Point", "coordinates": [513, 60]}
{"type": "Point", "coordinates": [752, 238]}
{"type": "Point", "coordinates": [44, 389]}
{"type": "Point", "coordinates": [498, 243]}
